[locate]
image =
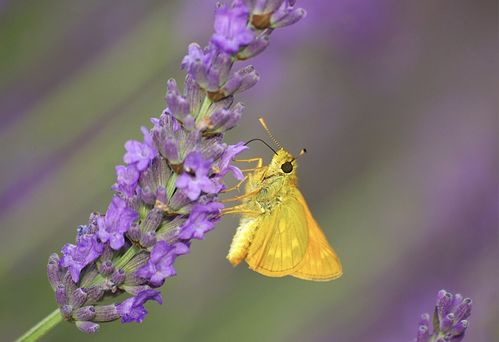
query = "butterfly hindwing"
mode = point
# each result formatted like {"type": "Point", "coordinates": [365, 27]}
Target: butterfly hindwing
{"type": "Point", "coordinates": [281, 239]}
{"type": "Point", "coordinates": [320, 261]}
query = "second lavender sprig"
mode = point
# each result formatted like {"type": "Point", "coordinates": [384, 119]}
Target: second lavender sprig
{"type": "Point", "coordinates": [449, 322]}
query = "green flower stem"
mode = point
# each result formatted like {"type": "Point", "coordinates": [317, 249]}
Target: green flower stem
{"type": "Point", "coordinates": [204, 109]}
{"type": "Point", "coordinates": [42, 327]}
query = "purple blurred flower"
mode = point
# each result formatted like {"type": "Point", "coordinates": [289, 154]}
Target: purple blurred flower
{"type": "Point", "coordinates": [231, 27]}
{"type": "Point", "coordinates": [196, 178]}
{"type": "Point", "coordinates": [449, 319]}
{"type": "Point", "coordinates": [119, 217]}
{"type": "Point", "coordinates": [160, 264]}
{"type": "Point", "coordinates": [132, 309]}
{"type": "Point", "coordinates": [202, 219]}
{"type": "Point", "coordinates": [76, 257]}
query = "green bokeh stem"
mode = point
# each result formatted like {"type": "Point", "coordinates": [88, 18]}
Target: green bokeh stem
{"type": "Point", "coordinates": [42, 327]}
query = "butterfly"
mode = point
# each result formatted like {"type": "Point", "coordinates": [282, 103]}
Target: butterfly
{"type": "Point", "coordinates": [277, 234]}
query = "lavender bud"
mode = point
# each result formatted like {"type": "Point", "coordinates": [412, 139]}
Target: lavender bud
{"type": "Point", "coordinates": [218, 71]}
{"type": "Point", "coordinates": [106, 313]}
{"type": "Point", "coordinates": [256, 47]}
{"type": "Point", "coordinates": [242, 80]}
{"type": "Point", "coordinates": [152, 221]}
{"type": "Point", "coordinates": [463, 310]}
{"type": "Point", "coordinates": [87, 327]}
{"type": "Point", "coordinates": [170, 150]}
{"type": "Point", "coordinates": [60, 295]}
{"type": "Point", "coordinates": [177, 104]}
{"type": "Point", "coordinates": [458, 299]}
{"type": "Point", "coordinates": [106, 268]}
{"type": "Point", "coordinates": [133, 233]}
{"type": "Point", "coordinates": [53, 271]}
{"type": "Point", "coordinates": [86, 313]}
{"type": "Point", "coordinates": [286, 17]}
{"type": "Point", "coordinates": [272, 5]}
{"type": "Point", "coordinates": [444, 303]}
{"type": "Point", "coordinates": [446, 322]}
{"type": "Point", "coordinates": [225, 119]}
{"type": "Point", "coordinates": [194, 95]}
{"type": "Point", "coordinates": [78, 298]}
{"type": "Point", "coordinates": [425, 319]}
{"type": "Point", "coordinates": [95, 293]}
{"type": "Point", "coordinates": [422, 333]}
{"type": "Point", "coordinates": [69, 284]}
{"type": "Point", "coordinates": [118, 277]}
{"type": "Point", "coordinates": [161, 195]}
{"type": "Point", "coordinates": [459, 328]}
{"type": "Point", "coordinates": [148, 239]}
{"type": "Point", "coordinates": [66, 311]}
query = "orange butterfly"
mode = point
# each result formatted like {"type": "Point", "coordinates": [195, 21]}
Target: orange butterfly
{"type": "Point", "coordinates": [277, 234]}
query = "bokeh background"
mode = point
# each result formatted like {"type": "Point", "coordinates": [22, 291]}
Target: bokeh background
{"type": "Point", "coordinates": [396, 102]}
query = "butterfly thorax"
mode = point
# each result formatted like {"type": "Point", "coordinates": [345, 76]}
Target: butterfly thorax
{"type": "Point", "coordinates": [272, 182]}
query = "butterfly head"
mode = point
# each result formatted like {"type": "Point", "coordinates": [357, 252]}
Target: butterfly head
{"type": "Point", "coordinates": [283, 162]}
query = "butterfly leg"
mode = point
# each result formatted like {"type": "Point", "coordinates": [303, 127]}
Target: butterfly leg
{"type": "Point", "coordinates": [240, 209]}
{"type": "Point", "coordinates": [251, 169]}
{"type": "Point", "coordinates": [237, 198]}
{"type": "Point", "coordinates": [235, 187]}
{"type": "Point", "coordinates": [258, 160]}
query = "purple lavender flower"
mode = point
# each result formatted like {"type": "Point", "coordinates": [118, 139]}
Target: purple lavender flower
{"type": "Point", "coordinates": [449, 319]}
{"type": "Point", "coordinates": [119, 217]}
{"type": "Point", "coordinates": [127, 178]}
{"type": "Point", "coordinates": [225, 165]}
{"type": "Point", "coordinates": [202, 219]}
{"type": "Point", "coordinates": [132, 309]}
{"type": "Point", "coordinates": [140, 154]}
{"type": "Point", "coordinates": [231, 30]}
{"type": "Point", "coordinates": [196, 178]}
{"type": "Point", "coordinates": [76, 257]}
{"type": "Point", "coordinates": [160, 264]}
{"type": "Point", "coordinates": [167, 193]}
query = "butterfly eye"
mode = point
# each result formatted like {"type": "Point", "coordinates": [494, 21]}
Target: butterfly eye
{"type": "Point", "coordinates": [287, 167]}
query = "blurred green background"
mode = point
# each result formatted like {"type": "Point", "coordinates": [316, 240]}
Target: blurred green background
{"type": "Point", "coordinates": [396, 102]}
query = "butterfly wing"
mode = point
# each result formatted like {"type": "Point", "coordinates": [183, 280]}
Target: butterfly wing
{"type": "Point", "coordinates": [281, 238]}
{"type": "Point", "coordinates": [320, 261]}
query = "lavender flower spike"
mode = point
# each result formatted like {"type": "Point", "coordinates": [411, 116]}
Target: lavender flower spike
{"type": "Point", "coordinates": [167, 192]}
{"type": "Point", "coordinates": [449, 319]}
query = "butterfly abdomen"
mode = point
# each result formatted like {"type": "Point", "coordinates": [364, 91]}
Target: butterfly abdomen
{"type": "Point", "coordinates": [241, 241]}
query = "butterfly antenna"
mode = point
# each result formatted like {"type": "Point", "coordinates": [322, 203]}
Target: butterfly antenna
{"type": "Point", "coordinates": [262, 141]}
{"type": "Point", "coordinates": [266, 128]}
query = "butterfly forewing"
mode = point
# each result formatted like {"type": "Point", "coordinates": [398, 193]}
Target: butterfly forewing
{"type": "Point", "coordinates": [281, 240]}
